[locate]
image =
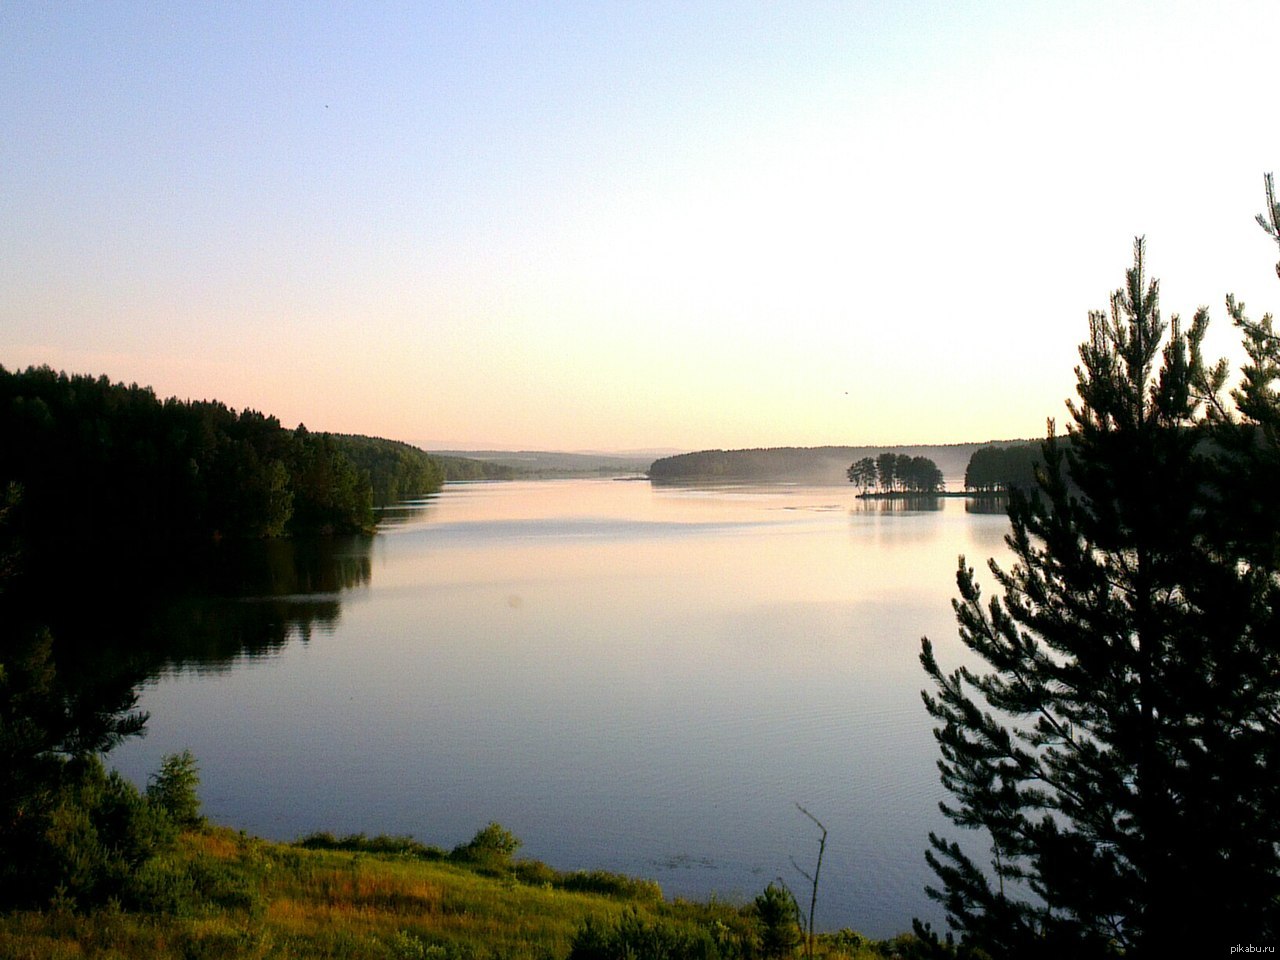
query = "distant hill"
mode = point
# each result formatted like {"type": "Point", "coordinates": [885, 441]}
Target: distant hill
{"type": "Point", "coordinates": [542, 464]}
{"type": "Point", "coordinates": [819, 465]}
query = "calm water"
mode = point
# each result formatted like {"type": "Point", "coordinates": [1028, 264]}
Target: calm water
{"type": "Point", "coordinates": [631, 678]}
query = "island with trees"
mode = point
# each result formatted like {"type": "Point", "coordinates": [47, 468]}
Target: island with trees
{"type": "Point", "coordinates": [896, 475]}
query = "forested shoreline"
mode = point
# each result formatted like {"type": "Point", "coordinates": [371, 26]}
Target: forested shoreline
{"type": "Point", "coordinates": [86, 462]}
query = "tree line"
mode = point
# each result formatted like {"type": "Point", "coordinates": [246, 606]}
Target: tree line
{"type": "Point", "coordinates": [91, 462]}
{"type": "Point", "coordinates": [395, 471]}
{"type": "Point", "coordinates": [999, 468]}
{"type": "Point", "coordinates": [454, 469]}
{"type": "Point", "coordinates": [896, 473]}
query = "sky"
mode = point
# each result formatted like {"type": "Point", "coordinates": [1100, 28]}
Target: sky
{"type": "Point", "coordinates": [624, 225]}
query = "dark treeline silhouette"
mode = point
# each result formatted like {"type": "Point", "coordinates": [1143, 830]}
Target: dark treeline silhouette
{"type": "Point", "coordinates": [1000, 468]}
{"type": "Point", "coordinates": [97, 463]}
{"type": "Point", "coordinates": [896, 473]}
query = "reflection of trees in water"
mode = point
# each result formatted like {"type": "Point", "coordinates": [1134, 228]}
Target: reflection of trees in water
{"type": "Point", "coordinates": [257, 597]}
{"type": "Point", "coordinates": [897, 504]}
{"type": "Point", "coordinates": [210, 635]}
{"type": "Point", "coordinates": [235, 601]}
{"type": "Point", "coordinates": [989, 504]}
{"type": "Point", "coordinates": [399, 513]}
{"type": "Point", "coordinates": [285, 568]}
{"type": "Point", "coordinates": [73, 654]}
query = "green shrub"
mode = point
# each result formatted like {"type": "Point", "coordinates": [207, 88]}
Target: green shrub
{"type": "Point", "coordinates": [174, 788]}
{"type": "Point", "coordinates": [779, 919]}
{"type": "Point", "coordinates": [535, 873]}
{"type": "Point", "coordinates": [493, 846]}
{"type": "Point", "coordinates": [89, 840]}
{"type": "Point", "coordinates": [610, 885]}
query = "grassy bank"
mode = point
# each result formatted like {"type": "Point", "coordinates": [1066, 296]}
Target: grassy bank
{"type": "Point", "coordinates": [229, 895]}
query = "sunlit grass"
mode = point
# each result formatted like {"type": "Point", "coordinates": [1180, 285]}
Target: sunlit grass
{"type": "Point", "coordinates": [257, 899]}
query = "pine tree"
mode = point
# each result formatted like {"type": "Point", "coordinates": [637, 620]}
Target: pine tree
{"type": "Point", "coordinates": [1115, 738]}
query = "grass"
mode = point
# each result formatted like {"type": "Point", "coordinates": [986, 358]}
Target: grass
{"type": "Point", "coordinates": [235, 896]}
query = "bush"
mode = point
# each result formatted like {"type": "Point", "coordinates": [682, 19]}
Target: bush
{"type": "Point", "coordinates": [535, 873]}
{"type": "Point", "coordinates": [85, 845]}
{"type": "Point", "coordinates": [181, 887]}
{"type": "Point", "coordinates": [174, 789]}
{"type": "Point", "coordinates": [779, 919]}
{"type": "Point", "coordinates": [609, 885]}
{"type": "Point", "coordinates": [493, 846]}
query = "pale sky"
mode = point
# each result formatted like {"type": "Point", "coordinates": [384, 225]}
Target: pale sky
{"type": "Point", "coordinates": [618, 225]}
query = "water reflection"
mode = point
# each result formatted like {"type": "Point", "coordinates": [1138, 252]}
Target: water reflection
{"type": "Point", "coordinates": [407, 511]}
{"type": "Point", "coordinates": [920, 504]}
{"type": "Point", "coordinates": [255, 598]}
{"type": "Point", "coordinates": [987, 504]}
{"type": "Point", "coordinates": [235, 601]}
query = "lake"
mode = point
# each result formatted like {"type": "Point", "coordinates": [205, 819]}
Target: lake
{"type": "Point", "coordinates": [629, 677]}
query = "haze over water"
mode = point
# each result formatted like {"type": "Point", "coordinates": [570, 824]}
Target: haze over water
{"type": "Point", "coordinates": [633, 678]}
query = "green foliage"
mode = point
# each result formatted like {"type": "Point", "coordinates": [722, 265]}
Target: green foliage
{"type": "Point", "coordinates": [219, 893]}
{"type": "Point", "coordinates": [633, 938]}
{"type": "Point", "coordinates": [174, 788]}
{"type": "Point", "coordinates": [63, 821]}
{"type": "Point", "coordinates": [607, 884]}
{"type": "Point", "coordinates": [923, 943]}
{"type": "Point", "coordinates": [779, 918]}
{"type": "Point", "coordinates": [396, 470]}
{"type": "Point", "coordinates": [71, 833]}
{"type": "Point", "coordinates": [1118, 757]}
{"type": "Point", "coordinates": [87, 843]}
{"type": "Point", "coordinates": [194, 886]}
{"type": "Point", "coordinates": [491, 850]}
{"type": "Point", "coordinates": [493, 846]}
{"type": "Point", "coordinates": [332, 495]}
